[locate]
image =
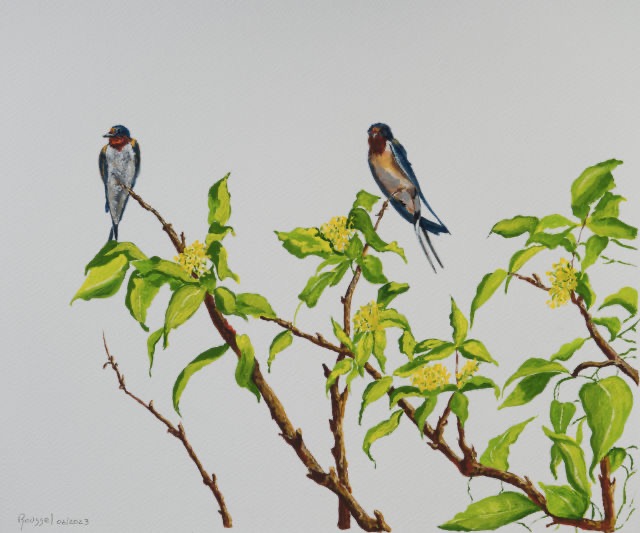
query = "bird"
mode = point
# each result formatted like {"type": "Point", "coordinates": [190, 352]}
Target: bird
{"type": "Point", "coordinates": [394, 175]}
{"type": "Point", "coordinates": [119, 162]}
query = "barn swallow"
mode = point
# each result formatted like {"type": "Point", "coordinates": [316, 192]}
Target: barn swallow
{"type": "Point", "coordinates": [394, 175]}
{"type": "Point", "coordinates": [119, 162]}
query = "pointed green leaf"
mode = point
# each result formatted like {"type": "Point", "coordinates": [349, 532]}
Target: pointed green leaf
{"type": "Point", "coordinates": [374, 391]}
{"type": "Point", "coordinates": [342, 367]}
{"type": "Point", "coordinates": [364, 348]}
{"type": "Point", "coordinates": [513, 227]}
{"type": "Point", "coordinates": [612, 227]}
{"type": "Point", "coordinates": [341, 335]}
{"type": "Point", "coordinates": [372, 269]}
{"type": "Point", "coordinates": [390, 318]}
{"type": "Point", "coordinates": [492, 512]}
{"type": "Point", "coordinates": [459, 324]}
{"type": "Point", "coordinates": [608, 206]}
{"type": "Point", "coordinates": [314, 288]}
{"type": "Point", "coordinates": [551, 240]}
{"type": "Point", "coordinates": [254, 305]}
{"type": "Point", "coordinates": [182, 305]}
{"type": "Point", "coordinates": [280, 342]}
{"type": "Point", "coordinates": [584, 289]}
{"type": "Point", "coordinates": [407, 344]}
{"type": "Point", "coordinates": [246, 364]}
{"type": "Point", "coordinates": [536, 365]}
{"type": "Point", "coordinates": [103, 280]}
{"type": "Point", "coordinates": [460, 406]}
{"type": "Point", "coordinates": [171, 270]}
{"type": "Point", "coordinates": [140, 293]}
{"type": "Point", "coordinates": [219, 202]}
{"type": "Point", "coordinates": [112, 249]}
{"type": "Point", "coordinates": [561, 415]}
{"type": "Point", "coordinates": [565, 502]}
{"type": "Point", "coordinates": [360, 220]}
{"type": "Point", "coordinates": [594, 246]}
{"type": "Point", "coordinates": [205, 358]}
{"type": "Point", "coordinates": [384, 428]}
{"type": "Point", "coordinates": [612, 323]}
{"type": "Point", "coordinates": [379, 346]}
{"type": "Point", "coordinates": [303, 242]}
{"type": "Point", "coordinates": [217, 232]}
{"type": "Point", "coordinates": [388, 292]}
{"type": "Point", "coordinates": [519, 259]}
{"type": "Point", "coordinates": [567, 350]}
{"type": "Point", "coordinates": [473, 349]}
{"type": "Point", "coordinates": [355, 248]}
{"type": "Point", "coordinates": [497, 453]}
{"type": "Point", "coordinates": [152, 341]}
{"type": "Point", "coordinates": [553, 222]}
{"type": "Point", "coordinates": [406, 391]}
{"type": "Point", "coordinates": [428, 344]}
{"type": "Point", "coordinates": [478, 383]}
{"type": "Point", "coordinates": [573, 458]}
{"type": "Point", "coordinates": [626, 297]}
{"type": "Point", "coordinates": [225, 300]}
{"type": "Point", "coordinates": [366, 200]}
{"type": "Point", "coordinates": [616, 457]}
{"type": "Point", "coordinates": [527, 389]}
{"type": "Point", "coordinates": [556, 459]}
{"type": "Point", "coordinates": [424, 410]}
{"type": "Point", "coordinates": [219, 258]}
{"type": "Point", "coordinates": [441, 352]}
{"type": "Point", "coordinates": [607, 404]}
{"type": "Point", "coordinates": [489, 284]}
{"type": "Point", "coordinates": [591, 185]}
{"type": "Point", "coordinates": [339, 272]}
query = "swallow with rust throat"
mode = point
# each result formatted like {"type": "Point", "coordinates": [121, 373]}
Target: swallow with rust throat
{"type": "Point", "coordinates": [394, 175]}
{"type": "Point", "coordinates": [119, 163]}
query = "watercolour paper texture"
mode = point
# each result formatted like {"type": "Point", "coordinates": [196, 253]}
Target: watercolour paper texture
{"type": "Point", "coordinates": [500, 107]}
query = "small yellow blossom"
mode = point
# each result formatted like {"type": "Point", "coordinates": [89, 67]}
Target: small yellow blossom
{"type": "Point", "coordinates": [464, 374]}
{"type": "Point", "coordinates": [430, 378]}
{"type": "Point", "coordinates": [367, 318]}
{"type": "Point", "coordinates": [337, 233]}
{"type": "Point", "coordinates": [563, 281]}
{"type": "Point", "coordinates": [193, 259]}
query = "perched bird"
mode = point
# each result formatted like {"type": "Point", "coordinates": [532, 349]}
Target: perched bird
{"type": "Point", "coordinates": [395, 177]}
{"type": "Point", "coordinates": [119, 162]}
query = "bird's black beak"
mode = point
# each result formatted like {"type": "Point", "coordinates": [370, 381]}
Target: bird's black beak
{"type": "Point", "coordinates": [108, 135]}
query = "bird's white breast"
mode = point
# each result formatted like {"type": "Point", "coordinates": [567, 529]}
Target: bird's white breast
{"type": "Point", "coordinates": [121, 164]}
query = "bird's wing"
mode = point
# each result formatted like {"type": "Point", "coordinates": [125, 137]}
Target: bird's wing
{"type": "Point", "coordinates": [104, 172]}
{"type": "Point", "coordinates": [136, 152]}
{"type": "Point", "coordinates": [400, 155]}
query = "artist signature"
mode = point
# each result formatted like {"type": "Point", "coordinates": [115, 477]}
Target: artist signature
{"type": "Point", "coordinates": [49, 520]}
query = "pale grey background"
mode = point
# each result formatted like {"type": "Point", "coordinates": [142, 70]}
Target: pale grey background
{"type": "Point", "coordinates": [500, 106]}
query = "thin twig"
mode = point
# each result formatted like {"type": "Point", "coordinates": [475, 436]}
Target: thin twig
{"type": "Point", "coordinates": [178, 432]}
{"type": "Point", "coordinates": [591, 364]}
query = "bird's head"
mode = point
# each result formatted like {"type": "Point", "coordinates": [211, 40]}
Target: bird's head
{"type": "Point", "coordinates": [118, 136]}
{"type": "Point", "coordinates": [379, 134]}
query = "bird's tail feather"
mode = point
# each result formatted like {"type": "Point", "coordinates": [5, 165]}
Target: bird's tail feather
{"type": "Point", "coordinates": [435, 254]}
{"type": "Point", "coordinates": [113, 233]}
{"type": "Point", "coordinates": [432, 227]}
{"type": "Point", "coordinates": [419, 233]}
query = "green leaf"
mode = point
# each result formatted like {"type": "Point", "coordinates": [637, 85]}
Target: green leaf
{"type": "Point", "coordinates": [173, 271]}
{"type": "Point", "coordinates": [372, 269]}
{"type": "Point", "coordinates": [341, 368]}
{"type": "Point", "coordinates": [112, 249]}
{"type": "Point", "coordinates": [489, 284]}
{"type": "Point", "coordinates": [406, 391]}
{"type": "Point", "coordinates": [428, 344]}
{"type": "Point", "coordinates": [591, 185]}
{"type": "Point", "coordinates": [388, 292]}
{"type": "Point", "coordinates": [513, 227]}
{"type": "Point", "coordinates": [379, 346]}
{"type": "Point", "coordinates": [205, 358]}
{"type": "Point", "coordinates": [553, 222]}
{"type": "Point", "coordinates": [152, 341]}
{"type": "Point", "coordinates": [564, 501]}
{"type": "Point", "coordinates": [140, 293]}
{"type": "Point", "coordinates": [527, 389]}
{"type": "Point", "coordinates": [584, 289]}
{"type": "Point", "coordinates": [424, 410]}
{"type": "Point", "coordinates": [254, 305]}
{"type": "Point", "coordinates": [280, 342]}
{"type": "Point", "coordinates": [497, 453]}
{"type": "Point", "coordinates": [374, 391]}
{"type": "Point", "coordinates": [441, 352]}
{"type": "Point", "coordinates": [473, 349]}
{"type": "Point", "coordinates": [594, 246]}
{"type": "Point", "coordinates": [616, 457]}
{"type": "Point", "coordinates": [219, 258]}
{"type": "Point", "coordinates": [536, 365]}
{"type": "Point", "coordinates": [219, 202]}
{"type": "Point", "coordinates": [407, 344]}
{"type": "Point", "coordinates": [458, 323]}
{"type": "Point", "coordinates": [315, 287]}
{"type": "Point", "coordinates": [607, 404]}
{"type": "Point", "coordinates": [384, 428]}
{"type": "Point", "coordinates": [217, 232]}
{"type": "Point", "coordinates": [556, 459]}
{"type": "Point", "coordinates": [519, 259]}
{"type": "Point", "coordinates": [103, 280]}
{"type": "Point", "coordinates": [608, 206]}
{"type": "Point", "coordinates": [360, 220]}
{"type": "Point", "coordinates": [390, 318]}
{"type": "Point", "coordinates": [339, 272]}
{"type": "Point", "coordinates": [225, 300]}
{"type": "Point", "coordinates": [561, 415]}
{"type": "Point", "coordinates": [567, 350]}
{"type": "Point", "coordinates": [182, 305]}
{"type": "Point", "coordinates": [573, 458]}
{"type": "Point", "coordinates": [363, 350]}
{"type": "Point", "coordinates": [355, 248]}
{"type": "Point", "coordinates": [303, 242]}
{"type": "Point", "coordinates": [626, 297]}
{"type": "Point", "coordinates": [612, 323]}
{"type": "Point", "coordinates": [246, 364]}
{"type": "Point", "coordinates": [612, 227]}
{"type": "Point", "coordinates": [478, 383]}
{"type": "Point", "coordinates": [460, 406]}
{"type": "Point", "coordinates": [492, 512]}
{"type": "Point", "coordinates": [341, 335]}
{"type": "Point", "coordinates": [366, 200]}
{"type": "Point", "coordinates": [551, 240]}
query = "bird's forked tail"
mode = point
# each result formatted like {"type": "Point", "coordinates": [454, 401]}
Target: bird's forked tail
{"type": "Point", "coordinates": [423, 235]}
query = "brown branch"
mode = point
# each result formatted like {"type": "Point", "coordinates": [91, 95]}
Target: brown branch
{"type": "Point", "coordinates": [179, 433]}
{"type": "Point", "coordinates": [292, 436]}
{"type": "Point", "coordinates": [591, 364]}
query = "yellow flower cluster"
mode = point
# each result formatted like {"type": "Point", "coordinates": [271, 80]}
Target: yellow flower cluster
{"type": "Point", "coordinates": [337, 233]}
{"type": "Point", "coordinates": [367, 317]}
{"type": "Point", "coordinates": [430, 378]}
{"type": "Point", "coordinates": [563, 281]}
{"type": "Point", "coordinates": [464, 374]}
{"type": "Point", "coordinates": [193, 259]}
